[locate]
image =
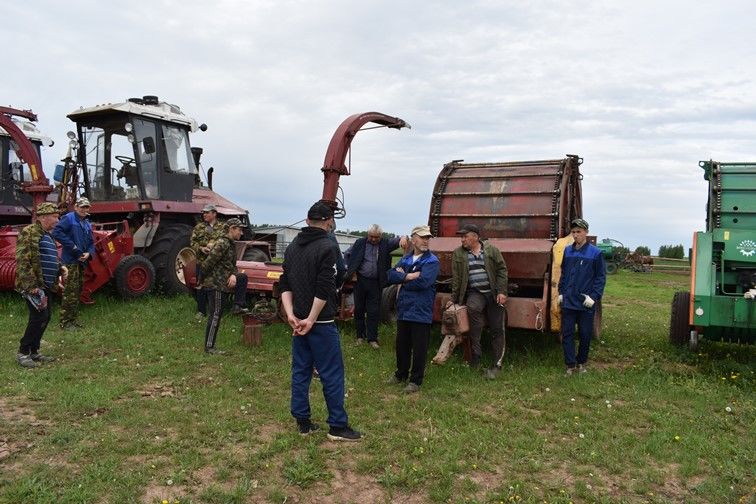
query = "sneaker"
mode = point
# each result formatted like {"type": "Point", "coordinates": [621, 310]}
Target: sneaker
{"type": "Point", "coordinates": [343, 434]}
{"type": "Point", "coordinates": [582, 368]}
{"type": "Point", "coordinates": [25, 361]}
{"type": "Point", "coordinates": [214, 351]}
{"type": "Point", "coordinates": [570, 371]}
{"type": "Point", "coordinates": [411, 388]}
{"type": "Point", "coordinates": [492, 372]}
{"type": "Point", "coordinates": [38, 357]}
{"type": "Point", "coordinates": [360, 341]}
{"type": "Point", "coordinates": [239, 310]}
{"type": "Point", "coordinates": [375, 345]}
{"type": "Point", "coordinates": [306, 427]}
{"type": "Point", "coordinates": [393, 380]}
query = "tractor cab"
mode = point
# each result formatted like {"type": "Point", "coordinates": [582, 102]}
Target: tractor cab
{"type": "Point", "coordinates": [136, 150]}
{"type": "Point", "coordinates": [16, 204]}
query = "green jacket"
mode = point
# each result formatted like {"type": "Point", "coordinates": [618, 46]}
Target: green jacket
{"type": "Point", "coordinates": [219, 264]}
{"type": "Point", "coordinates": [495, 267]}
{"type": "Point", "coordinates": [202, 235]}
{"type": "Point", "coordinates": [28, 265]}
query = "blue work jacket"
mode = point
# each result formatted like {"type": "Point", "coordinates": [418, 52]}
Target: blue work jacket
{"type": "Point", "coordinates": [583, 272]}
{"type": "Point", "coordinates": [415, 301]}
{"type": "Point", "coordinates": [75, 234]}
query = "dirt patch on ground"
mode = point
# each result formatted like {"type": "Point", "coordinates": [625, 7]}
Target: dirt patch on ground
{"type": "Point", "coordinates": [20, 419]}
{"type": "Point", "coordinates": [157, 390]}
{"type": "Point", "coordinates": [15, 414]}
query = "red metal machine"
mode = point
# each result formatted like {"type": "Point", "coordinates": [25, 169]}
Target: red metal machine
{"type": "Point", "coordinates": [263, 276]}
{"type": "Point", "coordinates": [524, 209]}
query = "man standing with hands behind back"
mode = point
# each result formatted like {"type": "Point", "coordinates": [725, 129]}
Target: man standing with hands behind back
{"type": "Point", "coordinates": [74, 232]}
{"type": "Point", "coordinates": [308, 294]}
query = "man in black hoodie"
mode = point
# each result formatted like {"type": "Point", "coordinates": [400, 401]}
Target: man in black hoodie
{"type": "Point", "coordinates": [308, 294]}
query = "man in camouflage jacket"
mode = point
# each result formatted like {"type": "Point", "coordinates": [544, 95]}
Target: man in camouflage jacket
{"type": "Point", "coordinates": [220, 277]}
{"type": "Point", "coordinates": [204, 235]}
{"type": "Point", "coordinates": [38, 273]}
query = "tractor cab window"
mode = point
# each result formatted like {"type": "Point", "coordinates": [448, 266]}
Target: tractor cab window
{"type": "Point", "coordinates": [19, 171]}
{"type": "Point", "coordinates": [177, 155]}
{"type": "Point", "coordinates": [108, 163]}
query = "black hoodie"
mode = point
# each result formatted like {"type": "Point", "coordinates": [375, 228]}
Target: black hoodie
{"type": "Point", "coordinates": [309, 271]}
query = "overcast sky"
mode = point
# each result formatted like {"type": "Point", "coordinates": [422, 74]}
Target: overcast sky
{"type": "Point", "coordinates": [641, 90]}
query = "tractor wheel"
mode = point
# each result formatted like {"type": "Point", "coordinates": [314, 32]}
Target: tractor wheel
{"type": "Point", "coordinates": [679, 330]}
{"type": "Point", "coordinates": [134, 277]}
{"type": "Point", "coordinates": [169, 252]}
{"type": "Point", "coordinates": [597, 317]}
{"type": "Point", "coordinates": [388, 304]}
{"type": "Point", "coordinates": [255, 255]}
{"type": "Point", "coordinates": [611, 268]}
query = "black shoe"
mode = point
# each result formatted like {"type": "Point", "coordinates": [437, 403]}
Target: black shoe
{"type": "Point", "coordinates": [343, 434]}
{"type": "Point", "coordinates": [38, 357]}
{"type": "Point", "coordinates": [306, 426]}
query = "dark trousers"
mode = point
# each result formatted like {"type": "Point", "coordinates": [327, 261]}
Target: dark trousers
{"type": "Point", "coordinates": [240, 291]}
{"type": "Point", "coordinates": [319, 348]}
{"type": "Point", "coordinates": [584, 321]}
{"type": "Point", "coordinates": [411, 346]}
{"type": "Point", "coordinates": [215, 301]}
{"type": "Point", "coordinates": [482, 309]}
{"type": "Point", "coordinates": [35, 327]}
{"type": "Point", "coordinates": [367, 300]}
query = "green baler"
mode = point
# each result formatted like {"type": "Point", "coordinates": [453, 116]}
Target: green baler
{"type": "Point", "coordinates": [721, 304]}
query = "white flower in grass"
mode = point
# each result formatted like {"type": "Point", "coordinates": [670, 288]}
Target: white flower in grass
{"type": "Point", "coordinates": [728, 409]}
{"type": "Point", "coordinates": [581, 435]}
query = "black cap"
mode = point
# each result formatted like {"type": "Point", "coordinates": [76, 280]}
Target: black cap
{"type": "Point", "coordinates": [469, 228]}
{"type": "Point", "coordinates": [320, 211]}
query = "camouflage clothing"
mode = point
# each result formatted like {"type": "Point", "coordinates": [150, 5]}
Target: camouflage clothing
{"type": "Point", "coordinates": [219, 265]}
{"type": "Point", "coordinates": [69, 307]}
{"type": "Point", "coordinates": [204, 234]}
{"type": "Point", "coordinates": [28, 264]}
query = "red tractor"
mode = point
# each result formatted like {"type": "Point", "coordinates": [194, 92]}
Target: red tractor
{"type": "Point", "coordinates": [134, 162]}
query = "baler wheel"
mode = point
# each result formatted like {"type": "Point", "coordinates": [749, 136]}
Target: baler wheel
{"type": "Point", "coordinates": [134, 277]}
{"type": "Point", "coordinates": [388, 304]}
{"type": "Point", "coordinates": [255, 255]}
{"type": "Point", "coordinates": [679, 329]}
{"type": "Point", "coordinates": [611, 268]}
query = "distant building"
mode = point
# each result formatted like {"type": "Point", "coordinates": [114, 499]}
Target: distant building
{"type": "Point", "coordinates": [279, 238]}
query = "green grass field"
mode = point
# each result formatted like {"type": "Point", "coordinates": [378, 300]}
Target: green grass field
{"type": "Point", "coordinates": [134, 411]}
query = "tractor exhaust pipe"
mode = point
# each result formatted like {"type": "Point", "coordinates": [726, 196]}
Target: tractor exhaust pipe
{"type": "Point", "coordinates": [210, 178]}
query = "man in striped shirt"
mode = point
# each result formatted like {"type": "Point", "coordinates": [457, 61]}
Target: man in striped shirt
{"type": "Point", "coordinates": [479, 280]}
{"type": "Point", "coordinates": [38, 273]}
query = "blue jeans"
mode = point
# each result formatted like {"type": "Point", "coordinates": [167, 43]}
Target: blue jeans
{"type": "Point", "coordinates": [584, 320]}
{"type": "Point", "coordinates": [319, 348]}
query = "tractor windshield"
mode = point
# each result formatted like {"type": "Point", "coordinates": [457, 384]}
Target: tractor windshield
{"type": "Point", "coordinates": [178, 155]}
{"type": "Point", "coordinates": [110, 164]}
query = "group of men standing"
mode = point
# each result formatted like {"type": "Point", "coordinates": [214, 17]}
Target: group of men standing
{"type": "Point", "coordinates": [309, 286]}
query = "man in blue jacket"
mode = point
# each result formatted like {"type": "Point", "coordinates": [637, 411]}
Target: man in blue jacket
{"type": "Point", "coordinates": [416, 275]}
{"type": "Point", "coordinates": [74, 232]}
{"type": "Point", "coordinates": [580, 288]}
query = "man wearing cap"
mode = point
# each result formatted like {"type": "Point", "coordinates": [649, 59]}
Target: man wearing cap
{"type": "Point", "coordinates": [580, 288]}
{"type": "Point", "coordinates": [204, 234]}
{"type": "Point", "coordinates": [74, 232]}
{"type": "Point", "coordinates": [219, 278]}
{"type": "Point", "coordinates": [370, 259]}
{"type": "Point", "coordinates": [308, 295]}
{"type": "Point", "coordinates": [416, 274]}
{"type": "Point", "coordinates": [38, 273]}
{"type": "Point", "coordinates": [479, 280]}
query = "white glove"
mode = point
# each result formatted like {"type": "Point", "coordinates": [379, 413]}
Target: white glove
{"type": "Point", "coordinates": [559, 300]}
{"type": "Point", "coordinates": [588, 302]}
